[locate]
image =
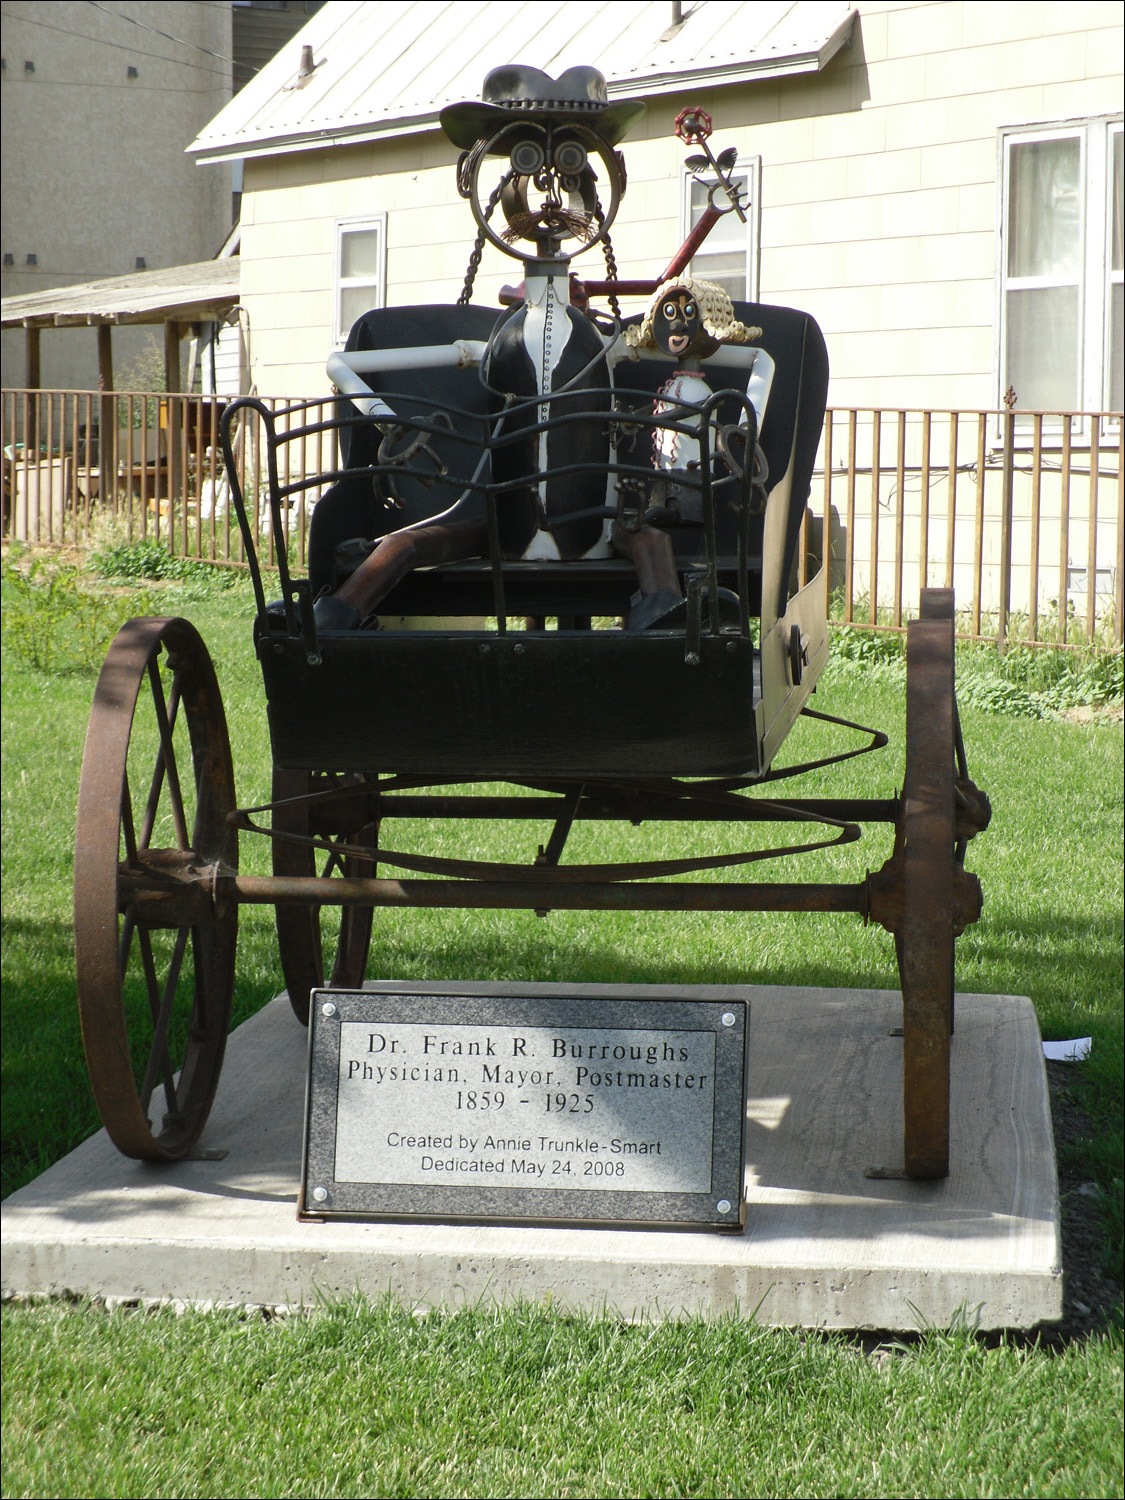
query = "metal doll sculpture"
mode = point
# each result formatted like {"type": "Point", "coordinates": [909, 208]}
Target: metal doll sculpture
{"type": "Point", "coordinates": [547, 134]}
{"type": "Point", "coordinates": [687, 321]}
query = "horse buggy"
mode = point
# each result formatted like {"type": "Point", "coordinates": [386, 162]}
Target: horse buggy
{"type": "Point", "coordinates": [584, 529]}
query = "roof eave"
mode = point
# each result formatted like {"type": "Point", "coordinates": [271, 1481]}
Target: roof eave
{"type": "Point", "coordinates": [715, 76]}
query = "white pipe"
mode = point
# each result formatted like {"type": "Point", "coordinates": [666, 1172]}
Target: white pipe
{"type": "Point", "coordinates": [759, 385]}
{"type": "Point", "coordinates": [344, 368]}
{"type": "Point", "coordinates": [348, 383]}
{"type": "Point", "coordinates": [462, 354]}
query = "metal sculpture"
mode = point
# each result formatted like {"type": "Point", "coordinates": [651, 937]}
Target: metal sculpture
{"type": "Point", "coordinates": [546, 134]}
{"type": "Point", "coordinates": [532, 468]}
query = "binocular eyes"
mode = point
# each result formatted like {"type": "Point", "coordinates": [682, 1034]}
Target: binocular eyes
{"type": "Point", "coordinates": [570, 158]}
{"type": "Point", "coordinates": [529, 157]}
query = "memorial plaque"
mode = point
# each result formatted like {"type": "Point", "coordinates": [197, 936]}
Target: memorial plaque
{"type": "Point", "coordinates": [557, 1109]}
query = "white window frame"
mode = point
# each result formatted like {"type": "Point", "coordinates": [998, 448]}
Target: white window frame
{"type": "Point", "coordinates": [1095, 137]}
{"type": "Point", "coordinates": [342, 283]}
{"type": "Point", "coordinates": [751, 168]}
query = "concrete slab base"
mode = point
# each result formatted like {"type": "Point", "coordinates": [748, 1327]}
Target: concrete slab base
{"type": "Point", "coordinates": [824, 1246]}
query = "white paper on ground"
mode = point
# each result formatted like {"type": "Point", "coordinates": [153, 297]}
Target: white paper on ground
{"type": "Point", "coordinates": [1073, 1051]}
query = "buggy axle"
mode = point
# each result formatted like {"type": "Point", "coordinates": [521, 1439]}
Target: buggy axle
{"type": "Point", "coordinates": [265, 890]}
{"type": "Point", "coordinates": [161, 895]}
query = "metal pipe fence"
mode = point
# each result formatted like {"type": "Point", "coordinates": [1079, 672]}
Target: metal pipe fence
{"type": "Point", "coordinates": [149, 467]}
{"type": "Point", "coordinates": [1020, 513]}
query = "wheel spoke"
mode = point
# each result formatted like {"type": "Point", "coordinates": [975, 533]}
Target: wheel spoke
{"type": "Point", "coordinates": [128, 831]}
{"type": "Point", "coordinates": [159, 1060]}
{"type": "Point", "coordinates": [125, 941]}
{"type": "Point", "coordinates": [202, 957]}
{"type": "Point", "coordinates": [310, 944]}
{"type": "Point", "coordinates": [166, 766]}
{"type": "Point", "coordinates": [155, 1004]}
{"type": "Point", "coordinates": [156, 782]}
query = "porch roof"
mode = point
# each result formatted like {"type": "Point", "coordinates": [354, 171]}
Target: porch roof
{"type": "Point", "coordinates": [200, 293]}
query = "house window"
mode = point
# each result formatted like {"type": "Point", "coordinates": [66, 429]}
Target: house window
{"type": "Point", "coordinates": [1061, 267]}
{"type": "Point", "coordinates": [361, 269]}
{"type": "Point", "coordinates": [729, 254]}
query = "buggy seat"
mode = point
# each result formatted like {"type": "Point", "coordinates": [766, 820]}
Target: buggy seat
{"type": "Point", "coordinates": [518, 700]}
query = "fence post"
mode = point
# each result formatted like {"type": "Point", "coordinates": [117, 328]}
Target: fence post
{"type": "Point", "coordinates": [978, 519]}
{"type": "Point", "coordinates": [1119, 550]}
{"type": "Point", "coordinates": [849, 519]}
{"type": "Point", "coordinates": [951, 505]}
{"type": "Point", "coordinates": [876, 467]}
{"type": "Point", "coordinates": [1006, 533]}
{"type": "Point", "coordinates": [924, 506]}
{"type": "Point", "coordinates": [1092, 533]}
{"type": "Point", "coordinates": [1036, 506]}
{"type": "Point", "coordinates": [1064, 531]}
{"type": "Point", "coordinates": [900, 518]}
{"type": "Point", "coordinates": [826, 523]}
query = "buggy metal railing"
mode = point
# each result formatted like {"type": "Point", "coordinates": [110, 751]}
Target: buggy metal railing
{"type": "Point", "coordinates": [1021, 513]}
{"type": "Point", "coordinates": [517, 423]}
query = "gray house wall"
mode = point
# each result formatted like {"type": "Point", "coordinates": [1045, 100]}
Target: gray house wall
{"type": "Point", "coordinates": [93, 161]}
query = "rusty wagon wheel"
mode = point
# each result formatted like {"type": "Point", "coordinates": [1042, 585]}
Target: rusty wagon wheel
{"type": "Point", "coordinates": [154, 943]}
{"type": "Point", "coordinates": [927, 841]}
{"type": "Point", "coordinates": [305, 934]}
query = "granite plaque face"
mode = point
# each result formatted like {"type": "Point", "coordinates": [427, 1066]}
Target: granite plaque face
{"type": "Point", "coordinates": [563, 1110]}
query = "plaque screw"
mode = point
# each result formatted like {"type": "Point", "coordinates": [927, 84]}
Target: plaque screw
{"type": "Point", "coordinates": [320, 1195]}
{"type": "Point", "coordinates": [728, 1019]}
{"type": "Point", "coordinates": [723, 1204]}
{"type": "Point", "coordinates": [328, 1009]}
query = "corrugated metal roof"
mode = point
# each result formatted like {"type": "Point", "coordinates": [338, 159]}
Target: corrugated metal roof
{"type": "Point", "coordinates": [197, 293]}
{"type": "Point", "coordinates": [386, 68]}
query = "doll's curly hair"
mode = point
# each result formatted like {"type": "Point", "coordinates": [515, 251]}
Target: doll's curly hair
{"type": "Point", "coordinates": [714, 305]}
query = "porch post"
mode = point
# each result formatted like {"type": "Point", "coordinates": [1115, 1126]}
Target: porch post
{"type": "Point", "coordinates": [31, 409]}
{"type": "Point", "coordinates": [177, 415]}
{"type": "Point", "coordinates": [33, 378]}
{"type": "Point", "coordinates": [107, 417]}
{"type": "Point", "coordinates": [171, 357]}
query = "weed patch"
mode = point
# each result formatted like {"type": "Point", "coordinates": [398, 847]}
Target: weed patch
{"type": "Point", "coordinates": [146, 559]}
{"type": "Point", "coordinates": [1024, 682]}
{"type": "Point", "coordinates": [54, 621]}
{"type": "Point", "coordinates": [60, 616]}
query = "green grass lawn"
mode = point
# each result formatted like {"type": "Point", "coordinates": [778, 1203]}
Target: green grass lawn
{"type": "Point", "coordinates": [359, 1400]}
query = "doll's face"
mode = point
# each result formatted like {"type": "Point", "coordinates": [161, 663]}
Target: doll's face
{"type": "Point", "coordinates": [677, 327]}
